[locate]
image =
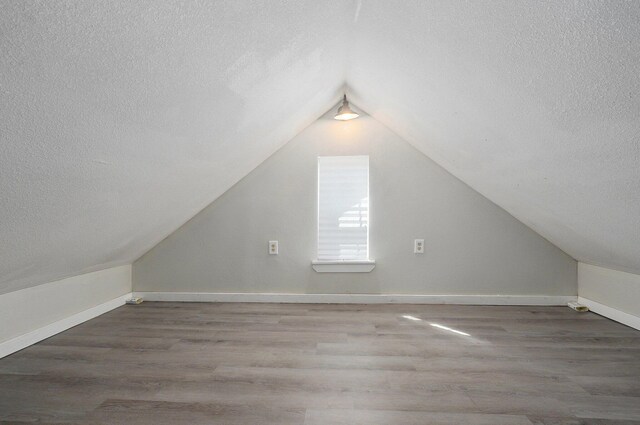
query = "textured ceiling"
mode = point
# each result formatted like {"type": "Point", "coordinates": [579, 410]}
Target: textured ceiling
{"type": "Point", "coordinates": [536, 105]}
{"type": "Point", "coordinates": [121, 120]}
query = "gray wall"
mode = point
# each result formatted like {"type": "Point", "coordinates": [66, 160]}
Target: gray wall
{"type": "Point", "coordinates": [472, 246]}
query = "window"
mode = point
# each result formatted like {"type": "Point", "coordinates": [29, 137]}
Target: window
{"type": "Point", "coordinates": [343, 209]}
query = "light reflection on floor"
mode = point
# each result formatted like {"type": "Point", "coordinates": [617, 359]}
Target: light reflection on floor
{"type": "Point", "coordinates": [436, 325]}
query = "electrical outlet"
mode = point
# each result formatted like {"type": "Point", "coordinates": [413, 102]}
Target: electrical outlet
{"type": "Point", "coordinates": [273, 247]}
{"type": "Point", "coordinates": [418, 246]}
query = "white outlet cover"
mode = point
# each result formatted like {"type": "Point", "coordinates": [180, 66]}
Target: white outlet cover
{"type": "Point", "coordinates": [273, 247]}
{"type": "Point", "coordinates": [418, 246]}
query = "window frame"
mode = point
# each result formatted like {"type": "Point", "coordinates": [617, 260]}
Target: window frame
{"type": "Point", "coordinates": [343, 265]}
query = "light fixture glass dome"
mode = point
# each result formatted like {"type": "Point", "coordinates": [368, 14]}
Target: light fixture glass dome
{"type": "Point", "coordinates": [345, 112]}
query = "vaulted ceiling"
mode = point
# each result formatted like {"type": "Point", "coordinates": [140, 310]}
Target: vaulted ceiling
{"type": "Point", "coordinates": [121, 120]}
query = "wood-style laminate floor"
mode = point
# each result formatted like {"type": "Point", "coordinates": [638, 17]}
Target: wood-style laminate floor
{"type": "Point", "coordinates": [199, 363]}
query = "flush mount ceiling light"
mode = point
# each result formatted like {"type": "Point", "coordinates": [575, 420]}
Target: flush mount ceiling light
{"type": "Point", "coordinates": [344, 111]}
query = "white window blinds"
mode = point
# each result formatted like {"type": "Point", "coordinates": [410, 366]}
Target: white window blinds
{"type": "Point", "coordinates": [343, 208]}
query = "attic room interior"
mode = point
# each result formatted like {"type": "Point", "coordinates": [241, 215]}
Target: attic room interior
{"type": "Point", "coordinates": [320, 212]}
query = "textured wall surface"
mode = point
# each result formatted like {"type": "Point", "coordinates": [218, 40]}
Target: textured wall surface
{"type": "Point", "coordinates": [121, 120]}
{"type": "Point", "coordinates": [536, 105]}
{"type": "Point", "coordinates": [472, 246]}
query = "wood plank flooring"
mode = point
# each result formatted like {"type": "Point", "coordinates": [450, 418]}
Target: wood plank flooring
{"type": "Point", "coordinates": [200, 363]}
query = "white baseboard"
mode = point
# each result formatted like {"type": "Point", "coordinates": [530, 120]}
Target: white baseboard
{"type": "Point", "coordinates": [23, 341]}
{"type": "Point", "coordinates": [611, 313]}
{"type": "Point", "coordinates": [356, 298]}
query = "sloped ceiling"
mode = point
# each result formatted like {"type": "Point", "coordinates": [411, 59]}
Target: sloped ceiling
{"type": "Point", "coordinates": [121, 120]}
{"type": "Point", "coordinates": [536, 105]}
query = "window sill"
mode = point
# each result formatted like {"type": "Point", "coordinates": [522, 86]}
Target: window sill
{"type": "Point", "coordinates": [356, 266]}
